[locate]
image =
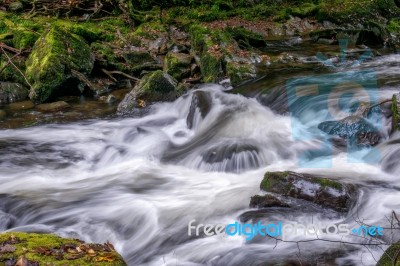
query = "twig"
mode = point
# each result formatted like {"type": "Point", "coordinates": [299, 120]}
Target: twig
{"type": "Point", "coordinates": [10, 61]}
{"type": "Point", "coordinates": [108, 73]}
{"type": "Point", "coordinates": [83, 79]}
{"type": "Point", "coordinates": [377, 104]}
{"type": "Point", "coordinates": [9, 48]}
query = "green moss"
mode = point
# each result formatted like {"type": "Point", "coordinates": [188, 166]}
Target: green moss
{"type": "Point", "coordinates": [271, 178]}
{"type": "Point", "coordinates": [211, 67]}
{"type": "Point", "coordinates": [395, 113]}
{"type": "Point", "coordinates": [239, 72]}
{"type": "Point", "coordinates": [34, 247]}
{"type": "Point", "coordinates": [245, 37]}
{"type": "Point", "coordinates": [24, 39]}
{"type": "Point", "coordinates": [178, 65]}
{"type": "Point", "coordinates": [199, 37]}
{"type": "Point", "coordinates": [305, 10]}
{"type": "Point", "coordinates": [391, 256]}
{"type": "Point", "coordinates": [151, 30]}
{"type": "Point", "coordinates": [328, 183]}
{"type": "Point", "coordinates": [9, 73]}
{"type": "Point", "coordinates": [394, 26]}
{"type": "Point", "coordinates": [52, 58]}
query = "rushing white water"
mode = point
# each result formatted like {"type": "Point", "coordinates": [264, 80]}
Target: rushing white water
{"type": "Point", "coordinates": [137, 182]}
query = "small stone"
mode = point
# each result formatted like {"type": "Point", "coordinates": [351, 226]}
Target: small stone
{"type": "Point", "coordinates": [52, 107]}
{"type": "Point", "coordinates": [16, 6]}
{"type": "Point", "coordinates": [25, 105]}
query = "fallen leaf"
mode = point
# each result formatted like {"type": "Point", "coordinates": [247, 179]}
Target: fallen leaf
{"type": "Point", "coordinates": [105, 259]}
{"type": "Point", "coordinates": [22, 261]}
{"type": "Point", "coordinates": [91, 252]}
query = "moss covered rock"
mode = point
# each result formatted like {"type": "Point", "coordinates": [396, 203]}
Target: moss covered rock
{"type": "Point", "coordinates": [153, 87]}
{"type": "Point", "coordinates": [322, 191]}
{"type": "Point", "coordinates": [47, 249]}
{"type": "Point", "coordinates": [12, 92]}
{"type": "Point", "coordinates": [391, 256]}
{"type": "Point", "coordinates": [9, 73]}
{"type": "Point", "coordinates": [178, 65]}
{"type": "Point", "coordinates": [396, 112]}
{"type": "Point", "coordinates": [240, 70]}
{"type": "Point", "coordinates": [53, 57]}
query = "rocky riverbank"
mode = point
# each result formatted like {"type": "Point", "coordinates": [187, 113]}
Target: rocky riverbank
{"type": "Point", "coordinates": [48, 59]}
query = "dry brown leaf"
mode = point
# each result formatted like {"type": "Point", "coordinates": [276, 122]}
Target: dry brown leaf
{"type": "Point", "coordinates": [91, 252]}
{"type": "Point", "coordinates": [22, 261]}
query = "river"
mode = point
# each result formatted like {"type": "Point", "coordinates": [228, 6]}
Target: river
{"type": "Point", "coordinates": [138, 181]}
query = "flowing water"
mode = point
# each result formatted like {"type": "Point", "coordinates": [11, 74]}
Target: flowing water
{"type": "Point", "coordinates": [137, 182]}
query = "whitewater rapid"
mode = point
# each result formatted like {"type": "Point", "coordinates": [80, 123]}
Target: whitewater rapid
{"type": "Point", "coordinates": [137, 182]}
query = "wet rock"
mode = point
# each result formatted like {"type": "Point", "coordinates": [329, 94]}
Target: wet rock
{"type": "Point", "coordinates": [209, 54]}
{"type": "Point", "coordinates": [322, 191]}
{"type": "Point", "coordinates": [396, 112]}
{"type": "Point", "coordinates": [355, 130]}
{"type": "Point", "coordinates": [266, 201]}
{"type": "Point", "coordinates": [246, 38]}
{"type": "Point", "coordinates": [202, 103]}
{"type": "Point", "coordinates": [3, 114]}
{"type": "Point", "coordinates": [52, 107]}
{"type": "Point", "coordinates": [391, 256]}
{"type": "Point", "coordinates": [353, 36]}
{"type": "Point", "coordinates": [54, 55]}
{"type": "Point", "coordinates": [12, 92]}
{"type": "Point", "coordinates": [240, 70]}
{"type": "Point", "coordinates": [25, 105]}
{"type": "Point", "coordinates": [16, 6]}
{"type": "Point", "coordinates": [178, 65]}
{"type": "Point", "coordinates": [153, 87]}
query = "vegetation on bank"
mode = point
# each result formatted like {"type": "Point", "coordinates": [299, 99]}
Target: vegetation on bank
{"type": "Point", "coordinates": [45, 249]}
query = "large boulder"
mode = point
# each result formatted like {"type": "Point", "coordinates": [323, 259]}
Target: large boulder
{"type": "Point", "coordinates": [46, 249]}
{"type": "Point", "coordinates": [322, 191]}
{"type": "Point", "coordinates": [12, 92]}
{"type": "Point", "coordinates": [54, 55]}
{"type": "Point", "coordinates": [153, 87]}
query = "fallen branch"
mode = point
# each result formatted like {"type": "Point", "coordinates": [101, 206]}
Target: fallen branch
{"type": "Point", "coordinates": [9, 48]}
{"type": "Point", "coordinates": [110, 73]}
{"type": "Point", "coordinates": [8, 62]}
{"type": "Point", "coordinates": [83, 79]}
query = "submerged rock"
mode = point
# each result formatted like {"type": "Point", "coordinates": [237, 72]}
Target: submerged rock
{"type": "Point", "coordinates": [201, 104]}
{"type": "Point", "coordinates": [46, 249]}
{"type": "Point", "coordinates": [322, 191]}
{"type": "Point", "coordinates": [355, 130]}
{"type": "Point", "coordinates": [266, 201]}
{"type": "Point", "coordinates": [153, 87]}
{"type": "Point", "coordinates": [52, 107]}
{"type": "Point", "coordinates": [12, 92]}
{"type": "Point", "coordinates": [54, 55]}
